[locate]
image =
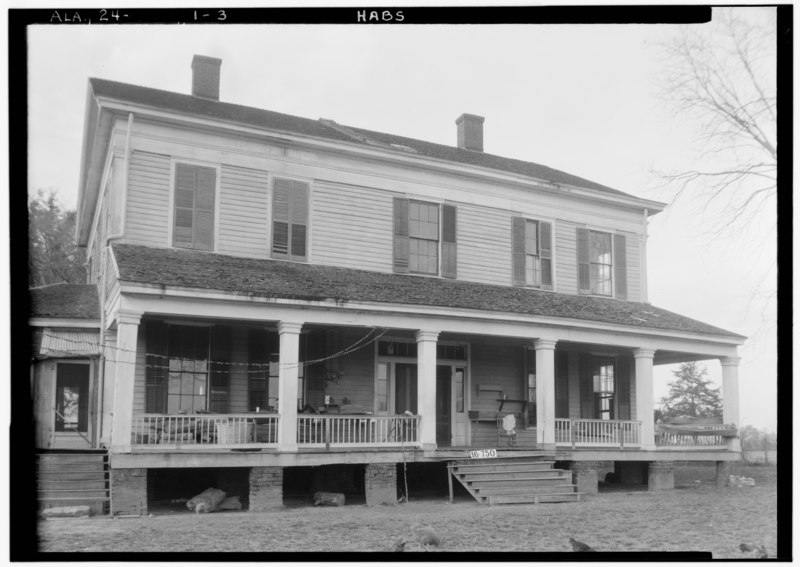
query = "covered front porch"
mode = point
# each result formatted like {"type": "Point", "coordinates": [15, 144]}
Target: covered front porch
{"type": "Point", "coordinates": [201, 384]}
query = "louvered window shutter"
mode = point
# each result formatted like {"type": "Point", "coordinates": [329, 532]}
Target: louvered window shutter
{"type": "Point", "coordinates": [400, 259]}
{"type": "Point", "coordinates": [183, 229]}
{"type": "Point", "coordinates": [219, 398]}
{"type": "Point", "coordinates": [586, 387]}
{"type": "Point", "coordinates": [156, 367]}
{"type": "Point", "coordinates": [205, 182]}
{"type": "Point", "coordinates": [449, 250]}
{"type": "Point", "coordinates": [584, 284]}
{"type": "Point", "coordinates": [299, 219]}
{"type": "Point", "coordinates": [624, 388]}
{"type": "Point", "coordinates": [518, 250]}
{"type": "Point", "coordinates": [546, 254]}
{"type": "Point", "coordinates": [280, 218]}
{"type": "Point", "coordinates": [620, 267]}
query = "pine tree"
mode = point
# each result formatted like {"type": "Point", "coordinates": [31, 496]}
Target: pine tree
{"type": "Point", "coordinates": [691, 395]}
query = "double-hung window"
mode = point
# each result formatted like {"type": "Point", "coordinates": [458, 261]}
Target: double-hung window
{"type": "Point", "coordinates": [603, 386]}
{"type": "Point", "coordinates": [193, 217]}
{"type": "Point", "coordinates": [290, 220]}
{"type": "Point", "coordinates": [532, 253]}
{"type": "Point", "coordinates": [424, 238]}
{"type": "Point", "coordinates": [602, 266]}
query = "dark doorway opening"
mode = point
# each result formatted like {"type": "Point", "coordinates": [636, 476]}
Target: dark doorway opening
{"type": "Point", "coordinates": [168, 490]}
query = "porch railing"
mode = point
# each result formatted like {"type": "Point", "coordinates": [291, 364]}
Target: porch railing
{"type": "Point", "coordinates": [217, 430]}
{"type": "Point", "coordinates": [598, 433]}
{"type": "Point", "coordinates": [702, 436]}
{"type": "Point", "coordinates": [357, 430]}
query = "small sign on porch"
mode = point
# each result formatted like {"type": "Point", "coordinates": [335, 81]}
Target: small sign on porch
{"type": "Point", "coordinates": [483, 454]}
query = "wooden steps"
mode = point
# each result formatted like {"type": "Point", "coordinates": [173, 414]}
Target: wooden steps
{"type": "Point", "coordinates": [515, 481]}
{"type": "Point", "coordinates": [73, 479]}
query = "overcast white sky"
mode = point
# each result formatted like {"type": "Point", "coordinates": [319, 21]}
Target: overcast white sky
{"type": "Point", "coordinates": [582, 99]}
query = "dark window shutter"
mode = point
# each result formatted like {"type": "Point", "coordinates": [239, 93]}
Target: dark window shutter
{"type": "Point", "coordinates": [205, 184]}
{"type": "Point", "coordinates": [299, 219]}
{"type": "Point", "coordinates": [280, 218]}
{"type": "Point", "coordinates": [219, 391]}
{"type": "Point", "coordinates": [400, 260]}
{"type": "Point", "coordinates": [156, 367]}
{"type": "Point", "coordinates": [546, 254]}
{"type": "Point", "coordinates": [518, 250]}
{"type": "Point", "coordinates": [449, 251]}
{"type": "Point", "coordinates": [624, 387]}
{"type": "Point", "coordinates": [584, 284]}
{"type": "Point", "coordinates": [193, 225]}
{"type": "Point", "coordinates": [586, 387]}
{"type": "Point", "coordinates": [620, 267]}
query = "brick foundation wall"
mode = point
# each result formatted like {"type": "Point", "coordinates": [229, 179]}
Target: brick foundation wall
{"type": "Point", "coordinates": [584, 475]}
{"type": "Point", "coordinates": [380, 484]}
{"type": "Point", "coordinates": [661, 475]}
{"type": "Point", "coordinates": [266, 489]}
{"type": "Point", "coordinates": [723, 472]}
{"type": "Point", "coordinates": [128, 491]}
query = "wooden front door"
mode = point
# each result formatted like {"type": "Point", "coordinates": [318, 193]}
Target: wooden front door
{"type": "Point", "coordinates": [72, 398]}
{"type": "Point", "coordinates": [405, 388]}
{"type": "Point", "coordinates": [444, 433]}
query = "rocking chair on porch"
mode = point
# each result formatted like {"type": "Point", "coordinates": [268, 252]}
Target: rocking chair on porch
{"type": "Point", "coordinates": [507, 429]}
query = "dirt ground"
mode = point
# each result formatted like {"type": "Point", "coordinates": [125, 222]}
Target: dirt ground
{"type": "Point", "coordinates": [696, 516]}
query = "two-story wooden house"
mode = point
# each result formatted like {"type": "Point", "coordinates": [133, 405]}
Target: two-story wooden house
{"type": "Point", "coordinates": [278, 292]}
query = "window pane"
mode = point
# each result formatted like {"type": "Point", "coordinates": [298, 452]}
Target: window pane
{"type": "Point", "coordinates": [174, 386]}
{"type": "Point", "coordinates": [531, 237]}
{"type": "Point", "coordinates": [532, 270]}
{"type": "Point", "coordinates": [199, 385]}
{"type": "Point", "coordinates": [173, 404]}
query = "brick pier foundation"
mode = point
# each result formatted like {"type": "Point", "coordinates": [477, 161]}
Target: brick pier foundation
{"type": "Point", "coordinates": [380, 484]}
{"type": "Point", "coordinates": [266, 489]}
{"type": "Point", "coordinates": [128, 491]}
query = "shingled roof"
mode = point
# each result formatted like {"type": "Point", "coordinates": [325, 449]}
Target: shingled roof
{"type": "Point", "coordinates": [290, 280]}
{"type": "Point", "coordinates": [196, 106]}
{"type": "Point", "coordinates": [65, 301]}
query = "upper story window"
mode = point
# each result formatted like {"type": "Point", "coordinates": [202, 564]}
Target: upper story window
{"type": "Point", "coordinates": [424, 238]}
{"type": "Point", "coordinates": [290, 220]}
{"type": "Point", "coordinates": [532, 253]}
{"type": "Point", "coordinates": [602, 266]}
{"type": "Point", "coordinates": [193, 221]}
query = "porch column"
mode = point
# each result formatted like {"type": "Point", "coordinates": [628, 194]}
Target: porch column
{"type": "Point", "coordinates": [545, 393]}
{"type": "Point", "coordinates": [125, 370]}
{"type": "Point", "coordinates": [287, 384]}
{"type": "Point", "coordinates": [426, 387]}
{"type": "Point", "coordinates": [730, 396]}
{"type": "Point", "coordinates": [107, 388]}
{"type": "Point", "coordinates": [644, 395]}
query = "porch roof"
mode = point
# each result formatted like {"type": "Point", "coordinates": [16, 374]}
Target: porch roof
{"type": "Point", "coordinates": [65, 301]}
{"type": "Point", "coordinates": [291, 280]}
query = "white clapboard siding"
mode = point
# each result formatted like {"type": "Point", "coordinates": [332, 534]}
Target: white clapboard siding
{"type": "Point", "coordinates": [351, 226]}
{"type": "Point", "coordinates": [139, 374]}
{"type": "Point", "coordinates": [239, 371]}
{"type": "Point", "coordinates": [358, 368]}
{"type": "Point", "coordinates": [243, 212]}
{"type": "Point", "coordinates": [566, 263]}
{"type": "Point", "coordinates": [483, 240]}
{"type": "Point", "coordinates": [147, 213]}
{"type": "Point", "coordinates": [634, 267]}
{"type": "Point", "coordinates": [497, 365]}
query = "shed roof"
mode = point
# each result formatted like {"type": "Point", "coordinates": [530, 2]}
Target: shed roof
{"type": "Point", "coordinates": [65, 301]}
{"type": "Point", "coordinates": [291, 280]}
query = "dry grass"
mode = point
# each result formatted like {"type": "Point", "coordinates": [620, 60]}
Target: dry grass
{"type": "Point", "coordinates": [696, 516]}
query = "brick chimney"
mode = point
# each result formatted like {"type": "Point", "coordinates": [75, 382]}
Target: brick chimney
{"type": "Point", "coordinates": [470, 132]}
{"type": "Point", "coordinates": [205, 77]}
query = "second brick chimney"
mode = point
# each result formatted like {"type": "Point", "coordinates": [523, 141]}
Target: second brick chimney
{"type": "Point", "coordinates": [205, 77]}
{"type": "Point", "coordinates": [470, 132]}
